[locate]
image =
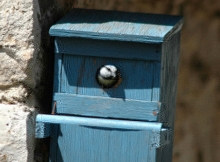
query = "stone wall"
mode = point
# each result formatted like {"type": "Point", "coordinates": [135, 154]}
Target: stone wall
{"type": "Point", "coordinates": [16, 78]}
{"type": "Point", "coordinates": [26, 70]}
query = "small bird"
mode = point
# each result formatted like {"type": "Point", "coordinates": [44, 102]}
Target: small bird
{"type": "Point", "coordinates": [108, 76]}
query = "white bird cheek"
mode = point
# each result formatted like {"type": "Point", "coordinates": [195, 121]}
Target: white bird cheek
{"type": "Point", "coordinates": [105, 73]}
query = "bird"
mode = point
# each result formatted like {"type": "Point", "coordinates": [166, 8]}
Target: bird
{"type": "Point", "coordinates": [108, 76]}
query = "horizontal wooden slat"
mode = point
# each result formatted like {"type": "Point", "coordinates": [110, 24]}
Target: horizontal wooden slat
{"type": "Point", "coordinates": [106, 107]}
{"type": "Point", "coordinates": [107, 48]}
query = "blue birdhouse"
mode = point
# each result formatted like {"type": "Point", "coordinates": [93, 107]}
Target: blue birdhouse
{"type": "Point", "coordinates": [115, 80]}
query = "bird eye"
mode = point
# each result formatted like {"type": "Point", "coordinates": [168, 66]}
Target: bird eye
{"type": "Point", "coordinates": [108, 76]}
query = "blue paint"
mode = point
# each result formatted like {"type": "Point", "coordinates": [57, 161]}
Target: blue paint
{"type": "Point", "coordinates": [108, 49]}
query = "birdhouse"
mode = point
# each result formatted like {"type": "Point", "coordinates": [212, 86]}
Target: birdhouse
{"type": "Point", "coordinates": [115, 80]}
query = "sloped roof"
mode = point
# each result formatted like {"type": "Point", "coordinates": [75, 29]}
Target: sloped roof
{"type": "Point", "coordinates": [115, 25]}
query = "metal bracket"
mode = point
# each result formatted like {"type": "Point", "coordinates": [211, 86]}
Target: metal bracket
{"type": "Point", "coordinates": [161, 138]}
{"type": "Point", "coordinates": [42, 130]}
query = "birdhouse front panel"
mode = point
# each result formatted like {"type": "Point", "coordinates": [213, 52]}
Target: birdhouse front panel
{"type": "Point", "coordinates": [136, 94]}
{"type": "Point", "coordinates": [114, 86]}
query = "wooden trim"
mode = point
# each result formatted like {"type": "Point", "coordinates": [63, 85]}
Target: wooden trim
{"type": "Point", "coordinates": [106, 107]}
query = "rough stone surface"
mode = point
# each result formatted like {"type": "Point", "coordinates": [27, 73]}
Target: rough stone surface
{"type": "Point", "coordinates": [16, 50]}
{"type": "Point", "coordinates": [16, 80]}
{"type": "Point", "coordinates": [21, 71]}
{"type": "Point", "coordinates": [16, 133]}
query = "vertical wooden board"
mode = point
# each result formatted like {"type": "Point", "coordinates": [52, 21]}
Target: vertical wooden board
{"type": "Point", "coordinates": [169, 74]}
{"type": "Point", "coordinates": [72, 69]}
{"type": "Point", "coordinates": [57, 72]}
{"type": "Point", "coordinates": [95, 144]}
{"type": "Point", "coordinates": [156, 81]}
{"type": "Point", "coordinates": [79, 72]}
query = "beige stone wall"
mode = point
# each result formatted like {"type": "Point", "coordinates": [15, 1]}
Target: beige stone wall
{"type": "Point", "coordinates": [16, 76]}
{"type": "Point", "coordinates": [26, 72]}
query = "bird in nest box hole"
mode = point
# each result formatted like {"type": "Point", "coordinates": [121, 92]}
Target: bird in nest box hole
{"type": "Point", "coordinates": [108, 76]}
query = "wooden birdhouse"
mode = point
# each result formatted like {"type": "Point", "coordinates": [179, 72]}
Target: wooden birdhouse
{"type": "Point", "coordinates": [115, 80]}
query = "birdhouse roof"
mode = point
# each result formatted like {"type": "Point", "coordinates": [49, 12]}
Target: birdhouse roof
{"type": "Point", "coordinates": [115, 25]}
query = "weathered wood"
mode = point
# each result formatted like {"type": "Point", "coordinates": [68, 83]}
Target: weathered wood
{"type": "Point", "coordinates": [106, 107]}
{"type": "Point", "coordinates": [169, 74]}
{"type": "Point", "coordinates": [170, 66]}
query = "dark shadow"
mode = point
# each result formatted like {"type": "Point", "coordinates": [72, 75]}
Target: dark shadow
{"type": "Point", "coordinates": [55, 152]}
{"type": "Point", "coordinates": [45, 14]}
{"type": "Point", "coordinates": [98, 16]}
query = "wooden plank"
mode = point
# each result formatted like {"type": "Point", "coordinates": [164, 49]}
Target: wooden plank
{"type": "Point", "coordinates": [106, 107]}
{"type": "Point", "coordinates": [169, 76]}
{"type": "Point", "coordinates": [108, 49]}
{"type": "Point", "coordinates": [122, 26]}
{"type": "Point", "coordinates": [57, 72]}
